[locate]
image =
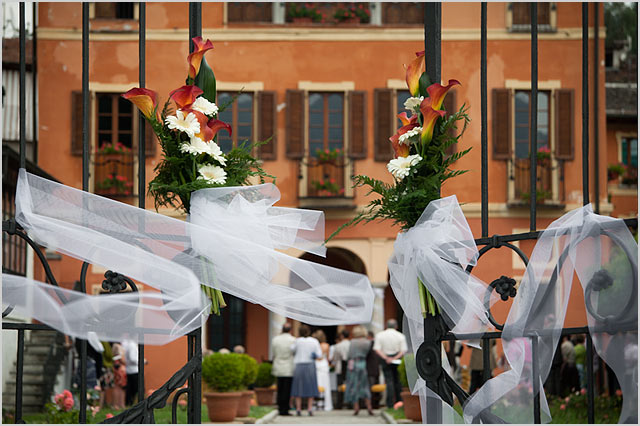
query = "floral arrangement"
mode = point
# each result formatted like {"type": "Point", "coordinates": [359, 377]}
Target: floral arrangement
{"type": "Point", "coordinates": [421, 164]}
{"type": "Point", "coordinates": [353, 10]}
{"type": "Point", "coordinates": [110, 148]}
{"type": "Point", "coordinates": [329, 187]}
{"type": "Point", "coordinates": [544, 153]}
{"type": "Point", "coordinates": [120, 184]}
{"type": "Point", "coordinates": [328, 155]}
{"type": "Point", "coordinates": [304, 10]}
{"type": "Point", "coordinates": [191, 158]}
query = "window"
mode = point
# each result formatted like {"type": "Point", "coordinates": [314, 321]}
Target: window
{"type": "Point", "coordinates": [113, 10]}
{"type": "Point", "coordinates": [326, 122]}
{"type": "Point", "coordinates": [227, 329]}
{"type": "Point", "coordinates": [115, 120]}
{"type": "Point", "coordinates": [520, 15]}
{"type": "Point", "coordinates": [629, 151]}
{"type": "Point", "coordinates": [239, 12]}
{"type": "Point", "coordinates": [239, 115]}
{"type": "Point", "coordinates": [404, 13]}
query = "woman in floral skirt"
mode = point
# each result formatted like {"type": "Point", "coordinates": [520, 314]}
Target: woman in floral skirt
{"type": "Point", "coordinates": [357, 386]}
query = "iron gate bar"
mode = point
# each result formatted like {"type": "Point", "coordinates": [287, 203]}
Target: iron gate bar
{"type": "Point", "coordinates": [590, 381]}
{"type": "Point", "coordinates": [596, 109]}
{"type": "Point", "coordinates": [141, 160]}
{"type": "Point", "coordinates": [34, 85]}
{"type": "Point", "coordinates": [484, 167]}
{"type": "Point", "coordinates": [533, 125]}
{"type": "Point", "coordinates": [19, 374]}
{"type": "Point", "coordinates": [535, 379]}
{"type": "Point", "coordinates": [585, 103]}
{"type": "Point", "coordinates": [23, 88]}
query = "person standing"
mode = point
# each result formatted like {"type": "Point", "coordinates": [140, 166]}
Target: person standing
{"type": "Point", "coordinates": [357, 379]}
{"type": "Point", "coordinates": [569, 372]}
{"type": "Point", "coordinates": [373, 369]}
{"type": "Point", "coordinates": [476, 365]}
{"type": "Point", "coordinates": [322, 370]}
{"type": "Point", "coordinates": [131, 367]}
{"type": "Point", "coordinates": [119, 376]}
{"type": "Point", "coordinates": [339, 360]}
{"type": "Point", "coordinates": [581, 359]}
{"type": "Point", "coordinates": [305, 384]}
{"type": "Point", "coordinates": [282, 367]}
{"type": "Point", "coordinates": [391, 345]}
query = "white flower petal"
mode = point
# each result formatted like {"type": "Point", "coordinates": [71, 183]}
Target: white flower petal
{"type": "Point", "coordinates": [213, 174]}
{"type": "Point", "coordinates": [204, 106]}
{"type": "Point", "coordinates": [401, 166]}
{"type": "Point", "coordinates": [188, 124]}
{"type": "Point", "coordinates": [413, 103]}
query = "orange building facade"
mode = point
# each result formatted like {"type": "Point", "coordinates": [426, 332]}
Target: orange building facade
{"type": "Point", "coordinates": [328, 86]}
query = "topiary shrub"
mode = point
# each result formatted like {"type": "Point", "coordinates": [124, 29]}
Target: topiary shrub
{"type": "Point", "coordinates": [402, 374]}
{"type": "Point", "coordinates": [223, 372]}
{"type": "Point", "coordinates": [250, 370]}
{"type": "Point", "coordinates": [264, 379]}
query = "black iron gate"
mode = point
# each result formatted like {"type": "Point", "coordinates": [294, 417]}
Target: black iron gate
{"type": "Point", "coordinates": [428, 360]}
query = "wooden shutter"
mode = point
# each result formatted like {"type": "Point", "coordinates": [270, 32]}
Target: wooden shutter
{"type": "Point", "coordinates": [267, 113]}
{"type": "Point", "coordinates": [449, 105]}
{"type": "Point", "coordinates": [295, 124]}
{"type": "Point", "coordinates": [358, 124]}
{"type": "Point", "coordinates": [76, 122]}
{"type": "Point", "coordinates": [564, 123]}
{"type": "Point", "coordinates": [501, 120]}
{"type": "Point", "coordinates": [384, 124]}
{"type": "Point", "coordinates": [150, 140]}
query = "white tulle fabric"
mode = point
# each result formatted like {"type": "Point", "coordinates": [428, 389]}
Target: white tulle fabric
{"type": "Point", "coordinates": [586, 243]}
{"type": "Point", "coordinates": [230, 242]}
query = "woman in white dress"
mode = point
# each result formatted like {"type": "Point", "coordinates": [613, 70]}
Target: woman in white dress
{"type": "Point", "coordinates": [322, 370]}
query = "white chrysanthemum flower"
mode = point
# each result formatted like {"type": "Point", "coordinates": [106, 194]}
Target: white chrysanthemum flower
{"type": "Point", "coordinates": [413, 103]}
{"type": "Point", "coordinates": [188, 124]}
{"type": "Point", "coordinates": [213, 174]}
{"type": "Point", "coordinates": [400, 167]}
{"type": "Point", "coordinates": [204, 106]}
{"type": "Point", "coordinates": [410, 135]}
{"type": "Point", "coordinates": [214, 150]}
{"type": "Point", "coordinates": [197, 146]}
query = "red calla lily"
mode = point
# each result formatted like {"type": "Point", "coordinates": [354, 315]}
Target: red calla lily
{"type": "Point", "coordinates": [402, 150]}
{"type": "Point", "coordinates": [185, 95]}
{"type": "Point", "coordinates": [146, 100]}
{"type": "Point", "coordinates": [414, 71]}
{"type": "Point", "coordinates": [195, 58]}
{"type": "Point", "coordinates": [437, 92]}
{"type": "Point", "coordinates": [429, 118]}
{"type": "Point", "coordinates": [217, 125]}
{"type": "Point", "coordinates": [205, 133]}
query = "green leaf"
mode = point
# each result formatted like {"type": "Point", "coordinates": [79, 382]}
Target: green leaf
{"type": "Point", "coordinates": [206, 80]}
{"type": "Point", "coordinates": [424, 82]}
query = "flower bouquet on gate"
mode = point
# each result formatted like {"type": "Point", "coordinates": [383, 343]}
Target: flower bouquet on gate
{"type": "Point", "coordinates": [191, 158]}
{"type": "Point", "coordinates": [421, 164]}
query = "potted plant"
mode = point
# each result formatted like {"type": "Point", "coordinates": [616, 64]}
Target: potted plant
{"type": "Point", "coordinates": [303, 13]}
{"type": "Point", "coordinates": [544, 154]}
{"type": "Point", "coordinates": [328, 156]}
{"type": "Point", "coordinates": [223, 374]}
{"type": "Point", "coordinates": [352, 13]}
{"type": "Point", "coordinates": [248, 378]}
{"type": "Point", "coordinates": [263, 386]}
{"type": "Point", "coordinates": [411, 403]}
{"type": "Point", "coordinates": [615, 170]}
{"type": "Point", "coordinates": [630, 177]}
{"type": "Point", "coordinates": [327, 188]}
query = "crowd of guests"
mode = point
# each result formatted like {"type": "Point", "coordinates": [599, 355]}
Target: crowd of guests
{"type": "Point", "coordinates": [303, 366]}
{"type": "Point", "coordinates": [112, 369]}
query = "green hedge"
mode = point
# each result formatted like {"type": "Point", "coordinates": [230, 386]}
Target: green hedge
{"type": "Point", "coordinates": [223, 372]}
{"type": "Point", "coordinates": [264, 378]}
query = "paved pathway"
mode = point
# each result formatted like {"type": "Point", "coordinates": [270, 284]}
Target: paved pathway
{"type": "Point", "coordinates": [331, 417]}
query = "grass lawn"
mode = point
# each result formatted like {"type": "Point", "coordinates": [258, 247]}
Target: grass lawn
{"type": "Point", "coordinates": [162, 415]}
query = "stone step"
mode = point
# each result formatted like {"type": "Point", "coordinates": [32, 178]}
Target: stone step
{"type": "Point", "coordinates": [9, 400]}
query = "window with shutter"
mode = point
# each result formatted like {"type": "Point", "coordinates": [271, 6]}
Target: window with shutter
{"type": "Point", "coordinates": [267, 124]}
{"type": "Point", "coordinates": [239, 12]}
{"type": "Point", "coordinates": [384, 126]}
{"type": "Point", "coordinates": [501, 120]}
{"type": "Point", "coordinates": [357, 124]}
{"type": "Point", "coordinates": [564, 124]}
{"type": "Point", "coordinates": [114, 10]}
{"type": "Point", "coordinates": [521, 16]}
{"type": "Point", "coordinates": [76, 123]}
{"type": "Point", "coordinates": [295, 124]}
{"type": "Point", "coordinates": [239, 115]}
{"type": "Point", "coordinates": [150, 141]}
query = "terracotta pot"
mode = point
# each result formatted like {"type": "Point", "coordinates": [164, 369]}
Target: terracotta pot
{"type": "Point", "coordinates": [411, 406]}
{"type": "Point", "coordinates": [302, 21]}
{"type": "Point", "coordinates": [222, 406]}
{"type": "Point", "coordinates": [265, 396]}
{"type": "Point", "coordinates": [244, 404]}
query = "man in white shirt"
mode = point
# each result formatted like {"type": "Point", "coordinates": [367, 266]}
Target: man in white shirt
{"type": "Point", "coordinates": [391, 345]}
{"type": "Point", "coordinates": [282, 366]}
{"type": "Point", "coordinates": [131, 367]}
{"type": "Point", "coordinates": [339, 361]}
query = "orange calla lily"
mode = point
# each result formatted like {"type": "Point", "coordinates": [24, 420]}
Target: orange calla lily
{"type": "Point", "coordinates": [205, 133]}
{"type": "Point", "coordinates": [195, 58]}
{"type": "Point", "coordinates": [402, 150]}
{"type": "Point", "coordinates": [407, 120]}
{"type": "Point", "coordinates": [146, 100]}
{"type": "Point", "coordinates": [414, 71]}
{"type": "Point", "coordinates": [399, 149]}
{"type": "Point", "coordinates": [429, 118]}
{"type": "Point", "coordinates": [437, 92]}
{"type": "Point", "coordinates": [217, 125]}
{"type": "Point", "coordinates": [185, 95]}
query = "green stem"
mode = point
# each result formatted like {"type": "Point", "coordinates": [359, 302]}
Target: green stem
{"type": "Point", "coordinates": [422, 292]}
